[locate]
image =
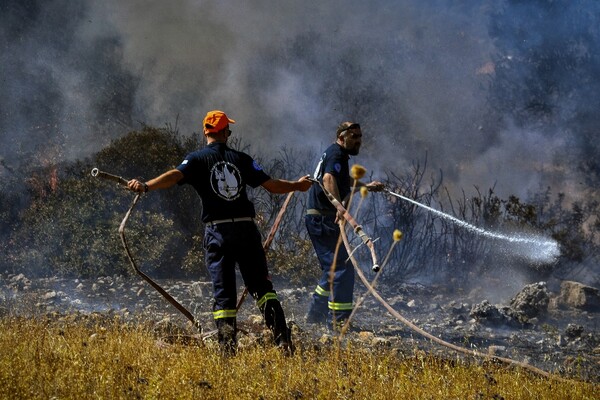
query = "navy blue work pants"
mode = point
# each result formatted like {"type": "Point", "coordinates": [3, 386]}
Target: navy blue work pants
{"type": "Point", "coordinates": [335, 300]}
{"type": "Point", "coordinates": [231, 243]}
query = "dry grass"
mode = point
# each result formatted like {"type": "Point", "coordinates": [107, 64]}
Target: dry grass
{"type": "Point", "coordinates": [86, 359]}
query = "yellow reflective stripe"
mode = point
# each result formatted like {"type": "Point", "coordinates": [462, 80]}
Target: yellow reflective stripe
{"type": "Point", "coordinates": [224, 314]}
{"type": "Point", "coordinates": [340, 306]}
{"type": "Point", "coordinates": [321, 292]}
{"type": "Point", "coordinates": [268, 296]}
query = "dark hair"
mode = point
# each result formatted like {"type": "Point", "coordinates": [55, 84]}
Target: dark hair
{"type": "Point", "coordinates": [344, 126]}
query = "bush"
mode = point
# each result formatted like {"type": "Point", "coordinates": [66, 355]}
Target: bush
{"type": "Point", "coordinates": [72, 229]}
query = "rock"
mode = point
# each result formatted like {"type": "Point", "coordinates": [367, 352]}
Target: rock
{"type": "Point", "coordinates": [396, 301]}
{"type": "Point", "coordinates": [200, 289]}
{"type": "Point", "coordinates": [489, 314]}
{"type": "Point", "coordinates": [494, 350]}
{"type": "Point", "coordinates": [486, 311]}
{"type": "Point", "coordinates": [573, 331]}
{"type": "Point", "coordinates": [18, 278]}
{"type": "Point", "coordinates": [50, 295]}
{"type": "Point", "coordinates": [366, 336]}
{"type": "Point", "coordinates": [458, 309]}
{"type": "Point", "coordinates": [379, 341]}
{"type": "Point", "coordinates": [532, 301]}
{"type": "Point", "coordinates": [577, 295]}
{"type": "Point", "coordinates": [19, 282]}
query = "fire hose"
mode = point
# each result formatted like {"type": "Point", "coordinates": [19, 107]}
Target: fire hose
{"type": "Point", "coordinates": [396, 314]}
{"type": "Point", "coordinates": [433, 338]}
{"type": "Point", "coordinates": [355, 226]}
{"type": "Point", "coordinates": [122, 181]}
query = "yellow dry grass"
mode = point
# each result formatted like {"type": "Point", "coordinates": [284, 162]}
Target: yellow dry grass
{"type": "Point", "coordinates": [110, 359]}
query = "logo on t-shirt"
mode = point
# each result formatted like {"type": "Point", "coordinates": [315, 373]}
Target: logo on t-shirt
{"type": "Point", "coordinates": [226, 180]}
{"type": "Point", "coordinates": [318, 171]}
{"type": "Point", "coordinates": [256, 165]}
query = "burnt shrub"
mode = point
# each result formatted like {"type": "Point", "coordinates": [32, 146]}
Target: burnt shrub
{"type": "Point", "coordinates": [436, 248]}
{"type": "Point", "coordinates": [71, 228]}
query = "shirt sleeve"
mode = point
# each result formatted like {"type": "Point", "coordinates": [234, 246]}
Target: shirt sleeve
{"type": "Point", "coordinates": [186, 167]}
{"type": "Point", "coordinates": [255, 176]}
{"type": "Point", "coordinates": [332, 164]}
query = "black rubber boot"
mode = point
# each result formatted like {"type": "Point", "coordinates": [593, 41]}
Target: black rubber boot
{"type": "Point", "coordinates": [275, 321]}
{"type": "Point", "coordinates": [227, 335]}
{"type": "Point", "coordinates": [317, 310]}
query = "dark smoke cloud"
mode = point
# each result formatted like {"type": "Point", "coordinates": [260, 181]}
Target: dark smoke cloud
{"type": "Point", "coordinates": [422, 77]}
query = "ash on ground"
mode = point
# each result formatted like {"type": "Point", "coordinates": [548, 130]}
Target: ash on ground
{"type": "Point", "coordinates": [554, 331]}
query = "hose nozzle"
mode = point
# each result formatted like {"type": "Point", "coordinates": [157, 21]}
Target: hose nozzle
{"type": "Point", "coordinates": [96, 173]}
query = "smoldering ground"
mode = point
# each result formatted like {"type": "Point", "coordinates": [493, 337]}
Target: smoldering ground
{"type": "Point", "coordinates": [562, 340]}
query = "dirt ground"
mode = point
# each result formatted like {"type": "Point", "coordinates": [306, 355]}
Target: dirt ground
{"type": "Point", "coordinates": [565, 342]}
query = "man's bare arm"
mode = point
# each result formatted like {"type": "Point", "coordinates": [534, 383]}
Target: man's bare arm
{"type": "Point", "coordinates": [330, 184]}
{"type": "Point", "coordinates": [280, 186]}
{"type": "Point", "coordinates": [164, 181]}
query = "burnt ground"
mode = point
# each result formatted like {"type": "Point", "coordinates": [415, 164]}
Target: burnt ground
{"type": "Point", "coordinates": [566, 342]}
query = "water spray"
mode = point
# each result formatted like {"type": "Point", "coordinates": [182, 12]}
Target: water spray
{"type": "Point", "coordinates": [534, 247]}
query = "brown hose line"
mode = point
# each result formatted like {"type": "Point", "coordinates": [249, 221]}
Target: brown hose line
{"type": "Point", "coordinates": [427, 335]}
{"type": "Point", "coordinates": [155, 285]}
{"type": "Point", "coordinates": [355, 226]}
{"type": "Point", "coordinates": [123, 182]}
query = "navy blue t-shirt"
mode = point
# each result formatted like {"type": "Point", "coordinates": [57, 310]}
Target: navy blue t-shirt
{"type": "Point", "coordinates": [220, 175]}
{"type": "Point", "coordinates": [335, 162]}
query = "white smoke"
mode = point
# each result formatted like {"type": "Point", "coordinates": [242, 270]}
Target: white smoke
{"type": "Point", "coordinates": [416, 75]}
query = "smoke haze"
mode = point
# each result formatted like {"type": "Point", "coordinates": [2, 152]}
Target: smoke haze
{"type": "Point", "coordinates": [452, 80]}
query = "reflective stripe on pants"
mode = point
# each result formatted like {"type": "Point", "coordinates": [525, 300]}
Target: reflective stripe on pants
{"type": "Point", "coordinates": [324, 234]}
